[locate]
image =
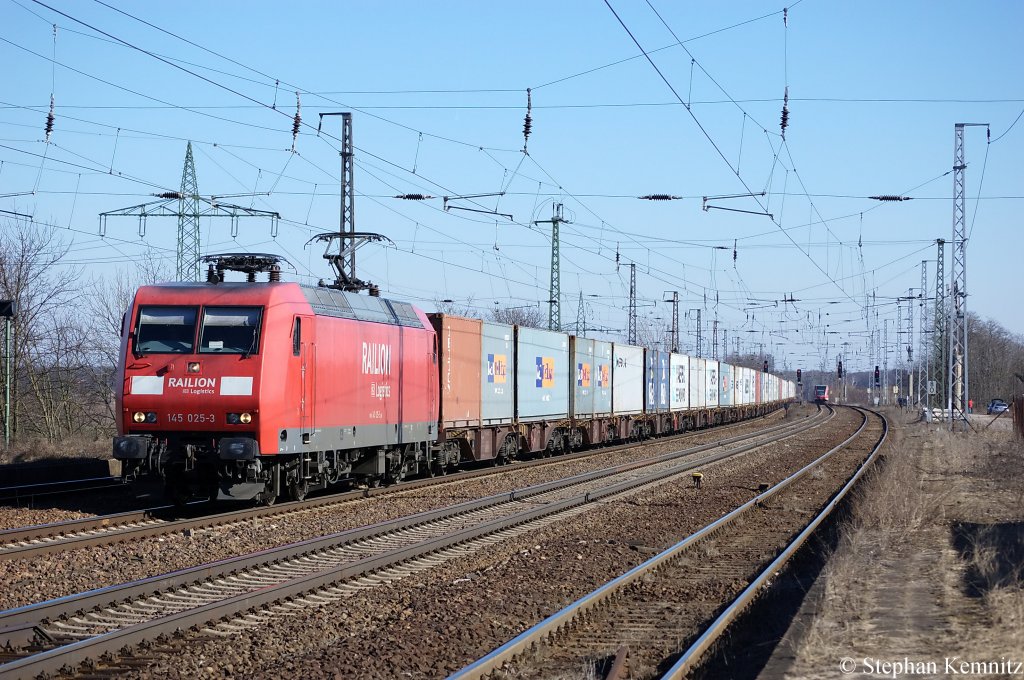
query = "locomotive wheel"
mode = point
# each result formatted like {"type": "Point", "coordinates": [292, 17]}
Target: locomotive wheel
{"type": "Point", "coordinates": [176, 490]}
{"type": "Point", "coordinates": [266, 498]}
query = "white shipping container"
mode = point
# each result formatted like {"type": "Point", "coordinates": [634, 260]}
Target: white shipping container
{"type": "Point", "coordinates": [698, 393]}
{"type": "Point", "coordinates": [627, 379]}
{"type": "Point", "coordinates": [680, 380]}
{"type": "Point", "coordinates": [711, 378]}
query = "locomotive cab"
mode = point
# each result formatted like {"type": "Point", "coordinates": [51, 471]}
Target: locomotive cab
{"type": "Point", "coordinates": [189, 405]}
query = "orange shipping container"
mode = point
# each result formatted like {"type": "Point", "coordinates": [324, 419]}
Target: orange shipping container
{"type": "Point", "coordinates": [459, 344]}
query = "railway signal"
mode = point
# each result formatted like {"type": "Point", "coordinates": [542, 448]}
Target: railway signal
{"type": "Point", "coordinates": [878, 378]}
{"type": "Point", "coordinates": [799, 377]}
{"type": "Point", "coordinates": [839, 369]}
{"type": "Point", "coordinates": [765, 365]}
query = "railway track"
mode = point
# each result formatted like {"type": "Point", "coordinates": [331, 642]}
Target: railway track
{"type": "Point", "coordinates": [27, 493]}
{"type": "Point", "coordinates": [63, 633]}
{"type": "Point", "coordinates": [668, 609]}
{"type": "Point", "coordinates": [33, 541]}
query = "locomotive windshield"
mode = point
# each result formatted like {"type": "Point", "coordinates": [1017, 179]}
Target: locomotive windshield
{"type": "Point", "coordinates": [165, 330]}
{"type": "Point", "coordinates": [230, 330]}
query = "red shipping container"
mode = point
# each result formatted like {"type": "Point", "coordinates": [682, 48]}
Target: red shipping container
{"type": "Point", "coordinates": [460, 344]}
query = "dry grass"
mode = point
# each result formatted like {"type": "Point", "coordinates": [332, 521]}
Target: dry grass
{"type": "Point", "coordinates": [911, 502]}
{"type": "Point", "coordinates": [27, 450]}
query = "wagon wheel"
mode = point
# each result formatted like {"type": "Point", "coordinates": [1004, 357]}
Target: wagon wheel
{"type": "Point", "coordinates": [298, 489]}
{"type": "Point", "coordinates": [213, 486]}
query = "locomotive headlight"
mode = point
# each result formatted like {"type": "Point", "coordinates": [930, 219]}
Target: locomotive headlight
{"type": "Point", "coordinates": [150, 416]}
{"type": "Point", "coordinates": [245, 418]}
{"type": "Point", "coordinates": [233, 419]}
{"type": "Point", "coordinates": [139, 417]}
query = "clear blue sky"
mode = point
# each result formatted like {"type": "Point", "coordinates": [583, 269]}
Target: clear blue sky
{"type": "Point", "coordinates": [438, 92]}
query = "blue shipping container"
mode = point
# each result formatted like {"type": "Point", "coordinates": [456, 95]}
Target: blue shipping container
{"type": "Point", "coordinates": [542, 374]}
{"type": "Point", "coordinates": [602, 378]}
{"type": "Point", "coordinates": [656, 381]}
{"type": "Point", "coordinates": [497, 378]}
{"type": "Point", "coordinates": [725, 384]}
{"type": "Point", "coordinates": [581, 357]}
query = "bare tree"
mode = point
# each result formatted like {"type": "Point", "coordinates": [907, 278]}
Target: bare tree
{"type": "Point", "coordinates": [996, 355]}
{"type": "Point", "coordinates": [106, 302]}
{"type": "Point", "coordinates": [529, 316]}
{"type": "Point", "coordinates": [456, 309]}
{"type": "Point", "coordinates": [654, 333]}
{"type": "Point", "coordinates": [31, 274]}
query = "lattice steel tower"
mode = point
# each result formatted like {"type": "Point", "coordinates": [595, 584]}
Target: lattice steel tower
{"type": "Point", "coordinates": [555, 289]}
{"type": "Point", "coordinates": [632, 303]}
{"type": "Point", "coordinates": [581, 317]}
{"type": "Point", "coordinates": [939, 366]}
{"type": "Point", "coordinates": [899, 347]}
{"type": "Point", "coordinates": [675, 321]}
{"type": "Point", "coordinates": [909, 347]}
{"type": "Point", "coordinates": [959, 397]}
{"type": "Point", "coordinates": [188, 222]}
{"type": "Point", "coordinates": [923, 355]}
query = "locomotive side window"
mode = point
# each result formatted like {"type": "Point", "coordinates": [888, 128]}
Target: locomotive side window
{"type": "Point", "coordinates": [231, 330]}
{"type": "Point", "coordinates": [165, 330]}
{"type": "Point", "coordinates": [297, 337]}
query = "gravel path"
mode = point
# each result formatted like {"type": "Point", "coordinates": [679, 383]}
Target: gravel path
{"type": "Point", "coordinates": [432, 623]}
{"type": "Point", "coordinates": [78, 570]}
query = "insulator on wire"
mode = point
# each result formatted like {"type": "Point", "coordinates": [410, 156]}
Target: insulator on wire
{"type": "Point", "coordinates": [785, 113]}
{"type": "Point", "coordinates": [49, 121]}
{"type": "Point", "coordinates": [890, 197]}
{"type": "Point", "coordinates": [528, 121]}
{"type": "Point", "coordinates": [785, 17]}
{"type": "Point", "coordinates": [413, 197]}
{"type": "Point", "coordinates": [660, 197]}
{"type": "Point", "coordinates": [734, 252]}
{"type": "Point", "coordinates": [297, 121]}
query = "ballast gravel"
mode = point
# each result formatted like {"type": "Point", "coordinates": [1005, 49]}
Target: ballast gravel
{"type": "Point", "coordinates": [433, 622]}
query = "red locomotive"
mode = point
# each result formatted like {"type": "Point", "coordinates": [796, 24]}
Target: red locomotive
{"type": "Point", "coordinates": [257, 389]}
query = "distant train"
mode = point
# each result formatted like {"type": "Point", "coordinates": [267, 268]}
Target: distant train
{"type": "Point", "coordinates": [254, 390]}
{"type": "Point", "coordinates": [821, 393]}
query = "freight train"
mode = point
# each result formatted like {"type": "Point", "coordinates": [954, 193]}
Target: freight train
{"type": "Point", "coordinates": [258, 390]}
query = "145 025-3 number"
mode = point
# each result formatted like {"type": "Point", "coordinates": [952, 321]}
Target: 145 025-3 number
{"type": "Point", "coordinates": [192, 418]}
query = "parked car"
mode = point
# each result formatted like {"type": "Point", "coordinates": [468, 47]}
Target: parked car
{"type": "Point", "coordinates": [996, 406]}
